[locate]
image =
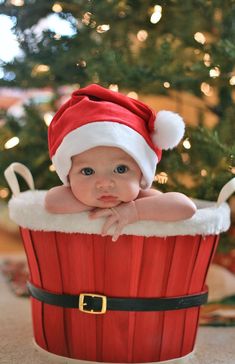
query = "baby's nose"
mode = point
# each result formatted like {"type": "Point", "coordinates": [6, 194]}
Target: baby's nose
{"type": "Point", "coordinates": [104, 183]}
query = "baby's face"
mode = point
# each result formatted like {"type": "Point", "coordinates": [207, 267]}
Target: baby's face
{"type": "Point", "coordinates": [104, 177]}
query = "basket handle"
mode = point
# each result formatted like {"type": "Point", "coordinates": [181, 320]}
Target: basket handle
{"type": "Point", "coordinates": [23, 171]}
{"type": "Point", "coordinates": [226, 191]}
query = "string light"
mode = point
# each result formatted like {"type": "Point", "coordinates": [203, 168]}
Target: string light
{"type": "Point", "coordinates": [200, 37]}
{"type": "Point", "coordinates": [17, 2]}
{"type": "Point", "coordinates": [57, 36]}
{"type": "Point", "coordinates": [86, 19]}
{"type": "Point", "coordinates": [161, 178]}
{"type": "Point", "coordinates": [103, 28]}
{"type": "Point", "coordinates": [167, 84]}
{"type": "Point", "coordinates": [133, 95]}
{"type": "Point", "coordinates": [232, 81]}
{"type": "Point", "coordinates": [142, 35]}
{"type": "Point", "coordinates": [203, 172]}
{"type": "Point", "coordinates": [4, 192]}
{"type": "Point", "coordinates": [113, 87]}
{"type": "Point", "coordinates": [52, 168]}
{"type": "Point", "coordinates": [57, 8]}
{"type": "Point", "coordinates": [186, 144]}
{"type": "Point", "coordinates": [81, 64]}
{"type": "Point", "coordinates": [157, 14]}
{"type": "Point", "coordinates": [218, 15]}
{"type": "Point", "coordinates": [207, 59]}
{"type": "Point", "coordinates": [40, 68]}
{"type": "Point", "coordinates": [122, 14]}
{"type": "Point", "coordinates": [11, 143]}
{"type": "Point", "coordinates": [48, 116]}
{"type": "Point", "coordinates": [206, 89]}
{"type": "Point", "coordinates": [214, 72]}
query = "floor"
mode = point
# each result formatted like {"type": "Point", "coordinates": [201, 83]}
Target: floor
{"type": "Point", "coordinates": [10, 242]}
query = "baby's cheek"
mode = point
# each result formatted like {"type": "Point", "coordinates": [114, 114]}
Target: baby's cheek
{"type": "Point", "coordinates": [80, 190]}
{"type": "Point", "coordinates": [131, 191]}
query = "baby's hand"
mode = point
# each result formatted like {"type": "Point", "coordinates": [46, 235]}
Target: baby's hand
{"type": "Point", "coordinates": [120, 216]}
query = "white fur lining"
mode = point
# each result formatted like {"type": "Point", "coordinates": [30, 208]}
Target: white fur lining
{"type": "Point", "coordinates": [27, 210]}
{"type": "Point", "coordinates": [109, 134]}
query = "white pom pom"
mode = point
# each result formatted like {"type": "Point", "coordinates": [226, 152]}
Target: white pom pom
{"type": "Point", "coordinates": [168, 130]}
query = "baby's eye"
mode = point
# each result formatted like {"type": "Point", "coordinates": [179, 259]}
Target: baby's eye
{"type": "Point", "coordinates": [121, 169]}
{"type": "Point", "coordinates": [87, 171]}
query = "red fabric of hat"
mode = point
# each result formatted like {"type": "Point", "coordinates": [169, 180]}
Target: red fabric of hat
{"type": "Point", "coordinates": [95, 103]}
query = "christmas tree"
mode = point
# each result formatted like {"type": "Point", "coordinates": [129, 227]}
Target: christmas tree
{"type": "Point", "coordinates": [170, 48]}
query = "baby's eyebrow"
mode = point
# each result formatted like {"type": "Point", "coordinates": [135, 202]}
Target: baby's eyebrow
{"type": "Point", "coordinates": [124, 161]}
{"type": "Point", "coordinates": [81, 162]}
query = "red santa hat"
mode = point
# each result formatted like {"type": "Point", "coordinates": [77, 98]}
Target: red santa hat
{"type": "Point", "coordinates": [95, 116]}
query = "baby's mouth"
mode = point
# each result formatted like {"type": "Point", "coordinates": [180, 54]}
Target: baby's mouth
{"type": "Point", "coordinates": [108, 198]}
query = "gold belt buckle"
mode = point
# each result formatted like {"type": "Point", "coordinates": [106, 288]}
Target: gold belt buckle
{"type": "Point", "coordinates": [82, 303]}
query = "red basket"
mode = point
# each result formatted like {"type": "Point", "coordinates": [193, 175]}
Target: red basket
{"type": "Point", "coordinates": [66, 255]}
{"type": "Point", "coordinates": [133, 267]}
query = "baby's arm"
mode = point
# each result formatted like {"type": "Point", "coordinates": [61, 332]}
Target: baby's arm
{"type": "Point", "coordinates": [60, 200]}
{"type": "Point", "coordinates": [169, 206]}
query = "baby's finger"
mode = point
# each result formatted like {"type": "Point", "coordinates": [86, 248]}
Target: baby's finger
{"type": "Point", "coordinates": [95, 214]}
{"type": "Point", "coordinates": [117, 232]}
{"type": "Point", "coordinates": [108, 223]}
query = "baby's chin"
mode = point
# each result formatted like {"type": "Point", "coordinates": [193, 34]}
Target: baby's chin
{"type": "Point", "coordinates": [107, 204]}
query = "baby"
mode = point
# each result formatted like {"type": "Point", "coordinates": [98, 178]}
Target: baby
{"type": "Point", "coordinates": [105, 147]}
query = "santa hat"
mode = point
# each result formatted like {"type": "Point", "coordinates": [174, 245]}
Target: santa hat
{"type": "Point", "coordinates": [95, 116]}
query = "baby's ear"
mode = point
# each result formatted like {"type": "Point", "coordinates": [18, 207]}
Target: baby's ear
{"type": "Point", "coordinates": [143, 184]}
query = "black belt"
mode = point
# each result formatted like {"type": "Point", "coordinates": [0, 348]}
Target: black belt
{"type": "Point", "coordinates": [96, 304]}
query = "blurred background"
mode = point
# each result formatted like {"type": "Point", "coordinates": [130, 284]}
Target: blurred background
{"type": "Point", "coordinates": [170, 54]}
